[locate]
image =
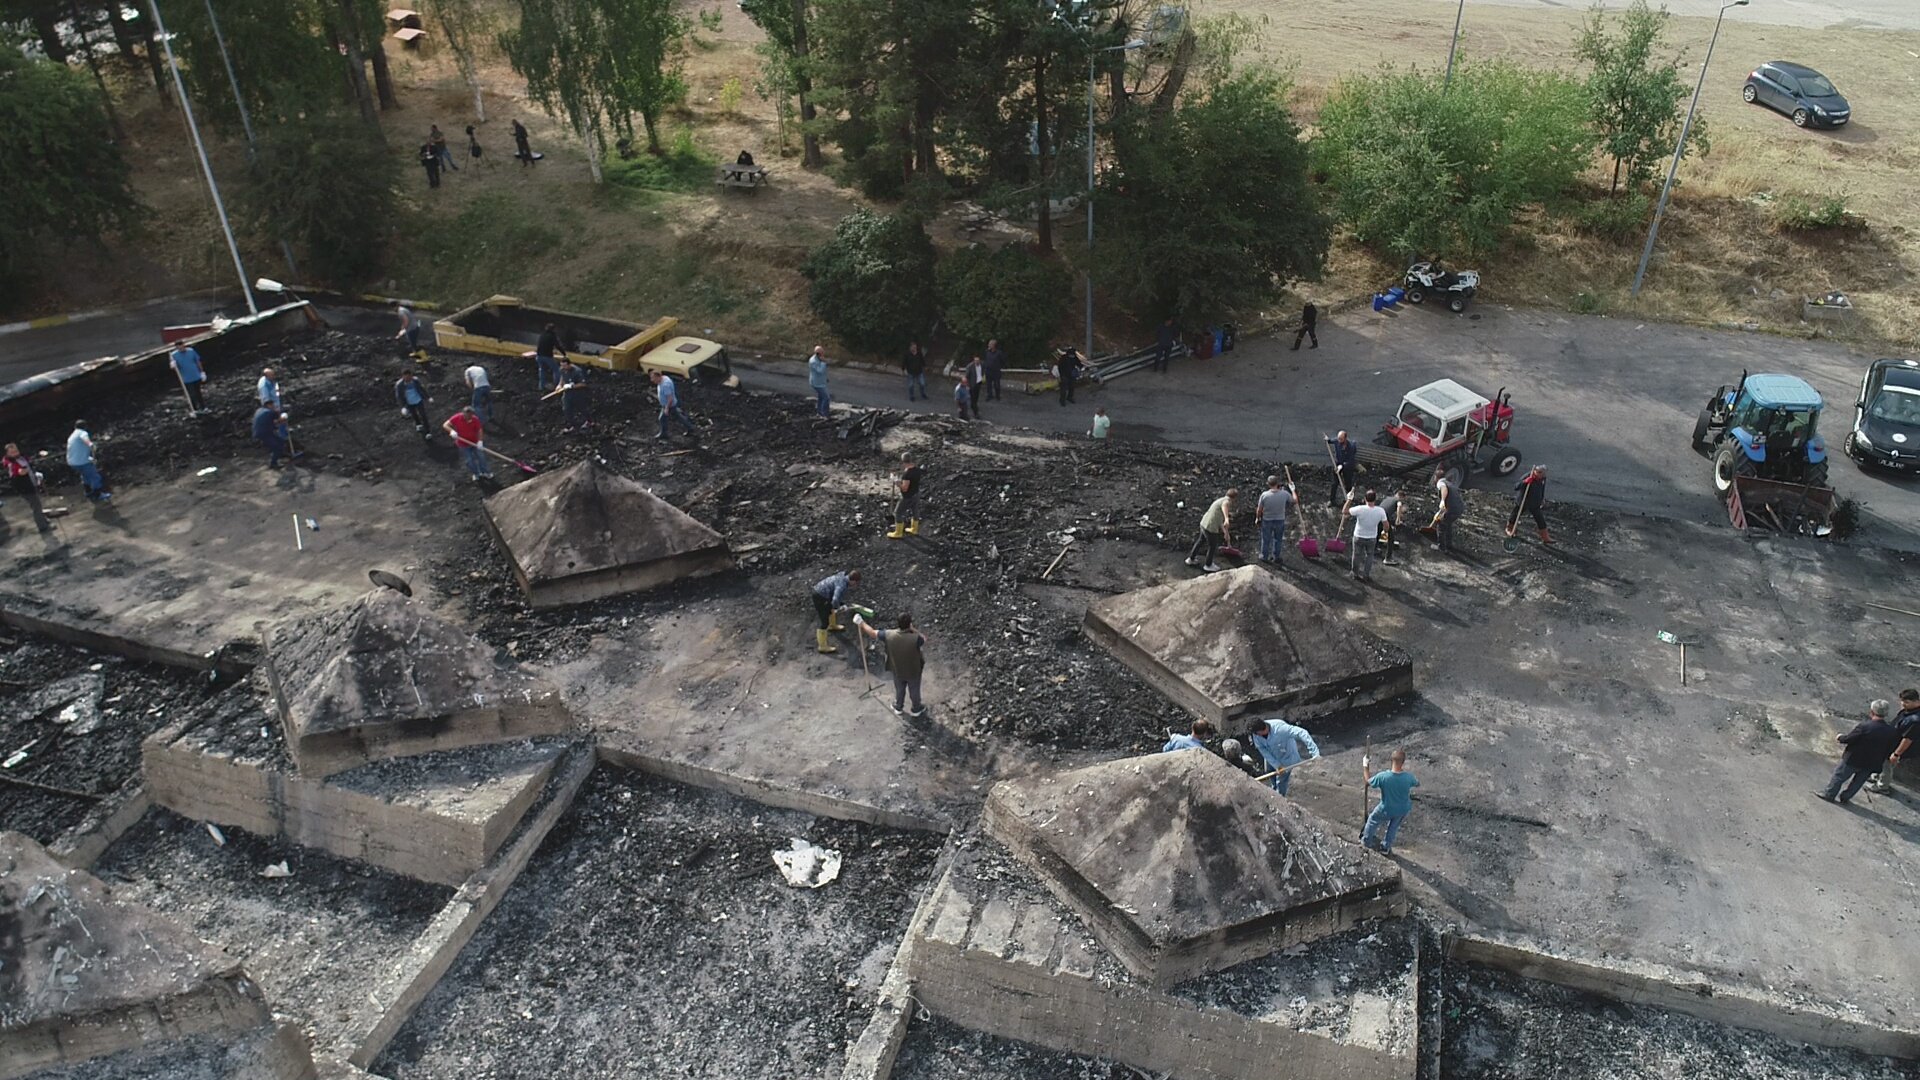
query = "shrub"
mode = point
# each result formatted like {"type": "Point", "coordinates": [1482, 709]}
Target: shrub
{"type": "Point", "coordinates": [1007, 293]}
{"type": "Point", "coordinates": [1420, 170]}
{"type": "Point", "coordinates": [730, 94]}
{"type": "Point", "coordinates": [1811, 213]}
{"type": "Point", "coordinates": [872, 283]}
{"type": "Point", "coordinates": [1619, 219]}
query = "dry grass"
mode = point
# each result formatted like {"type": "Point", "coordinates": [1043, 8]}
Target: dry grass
{"type": "Point", "coordinates": [1719, 259]}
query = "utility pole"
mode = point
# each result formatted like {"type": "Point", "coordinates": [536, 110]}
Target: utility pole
{"type": "Point", "coordinates": [1680, 148]}
{"type": "Point", "coordinates": [200, 149]}
{"type": "Point", "coordinates": [1458, 15]}
{"type": "Point", "coordinates": [246, 122]}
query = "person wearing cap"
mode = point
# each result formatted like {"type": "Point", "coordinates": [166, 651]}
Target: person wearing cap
{"type": "Point", "coordinates": [1530, 497]}
{"type": "Point", "coordinates": [80, 459]}
{"type": "Point", "coordinates": [905, 648]}
{"type": "Point", "coordinates": [1194, 739]}
{"type": "Point", "coordinates": [267, 390]}
{"type": "Point", "coordinates": [829, 600]}
{"type": "Point", "coordinates": [469, 434]}
{"type": "Point", "coordinates": [270, 426]}
{"type": "Point", "coordinates": [1279, 744]}
{"type": "Point", "coordinates": [186, 363]}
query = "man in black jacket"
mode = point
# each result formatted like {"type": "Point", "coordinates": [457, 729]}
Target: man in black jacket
{"type": "Point", "coordinates": [1530, 497]}
{"type": "Point", "coordinates": [1309, 319]}
{"type": "Point", "coordinates": [1868, 746]}
{"type": "Point", "coordinates": [915, 365]}
{"type": "Point", "coordinates": [1907, 726]}
{"type": "Point", "coordinates": [1067, 366]}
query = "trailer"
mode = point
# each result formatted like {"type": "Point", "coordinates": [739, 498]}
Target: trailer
{"type": "Point", "coordinates": [508, 326]}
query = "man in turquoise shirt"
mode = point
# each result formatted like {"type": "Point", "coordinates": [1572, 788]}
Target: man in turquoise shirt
{"type": "Point", "coordinates": [1396, 802]}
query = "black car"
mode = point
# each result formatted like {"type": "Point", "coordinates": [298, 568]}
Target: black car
{"type": "Point", "coordinates": [1886, 419]}
{"type": "Point", "coordinates": [1799, 91]}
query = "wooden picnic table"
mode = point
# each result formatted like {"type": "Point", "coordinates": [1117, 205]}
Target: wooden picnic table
{"type": "Point", "coordinates": [751, 177]}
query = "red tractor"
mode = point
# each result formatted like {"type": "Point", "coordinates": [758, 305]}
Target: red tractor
{"type": "Point", "coordinates": [1446, 427]}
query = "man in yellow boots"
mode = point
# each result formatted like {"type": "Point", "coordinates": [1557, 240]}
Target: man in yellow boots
{"type": "Point", "coordinates": [906, 512]}
{"type": "Point", "coordinates": [829, 600]}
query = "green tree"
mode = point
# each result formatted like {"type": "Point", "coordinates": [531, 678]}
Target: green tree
{"type": "Point", "coordinates": [283, 58]}
{"type": "Point", "coordinates": [883, 71]}
{"type": "Point", "coordinates": [1634, 98]}
{"type": "Point", "coordinates": [321, 185]}
{"type": "Point", "coordinates": [464, 25]}
{"type": "Point", "coordinates": [872, 283]}
{"type": "Point", "coordinates": [1007, 293]}
{"type": "Point", "coordinates": [1418, 171]}
{"type": "Point", "coordinates": [597, 63]}
{"type": "Point", "coordinates": [786, 24]}
{"type": "Point", "coordinates": [68, 181]}
{"type": "Point", "coordinates": [1212, 208]}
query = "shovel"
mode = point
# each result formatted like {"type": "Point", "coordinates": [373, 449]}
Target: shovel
{"type": "Point", "coordinates": [523, 466]}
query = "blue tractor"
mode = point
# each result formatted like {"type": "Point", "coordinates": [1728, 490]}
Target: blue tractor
{"type": "Point", "coordinates": [1764, 426]}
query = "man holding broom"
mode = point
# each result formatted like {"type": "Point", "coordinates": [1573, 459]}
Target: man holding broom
{"type": "Point", "coordinates": [186, 364]}
{"type": "Point", "coordinates": [904, 647]}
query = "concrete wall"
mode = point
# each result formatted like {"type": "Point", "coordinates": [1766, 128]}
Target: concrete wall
{"type": "Point", "coordinates": [406, 838]}
{"type": "Point", "coordinates": [1018, 973]}
{"type": "Point", "coordinates": [229, 1004]}
{"type": "Point", "coordinates": [69, 389]}
{"type": "Point", "coordinates": [581, 588]}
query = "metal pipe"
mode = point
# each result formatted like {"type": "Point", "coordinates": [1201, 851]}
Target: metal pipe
{"type": "Point", "coordinates": [246, 122]}
{"type": "Point", "coordinates": [1679, 149]}
{"type": "Point", "coordinates": [1087, 274]}
{"type": "Point", "coordinates": [199, 148]}
{"type": "Point", "coordinates": [1455, 47]}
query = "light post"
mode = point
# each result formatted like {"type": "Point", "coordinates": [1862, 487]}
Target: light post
{"type": "Point", "coordinates": [1653, 231]}
{"type": "Point", "coordinates": [1087, 273]}
{"type": "Point", "coordinates": [1455, 47]}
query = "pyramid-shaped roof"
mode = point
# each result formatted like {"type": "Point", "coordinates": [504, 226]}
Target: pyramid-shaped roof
{"type": "Point", "coordinates": [586, 519]}
{"type": "Point", "coordinates": [1183, 845]}
{"type": "Point", "coordinates": [67, 949]}
{"type": "Point", "coordinates": [386, 658]}
{"type": "Point", "coordinates": [1244, 638]}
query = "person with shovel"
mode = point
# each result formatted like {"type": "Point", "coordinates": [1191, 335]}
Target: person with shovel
{"type": "Point", "coordinates": [80, 460]}
{"type": "Point", "coordinates": [1530, 497]}
{"type": "Point", "coordinates": [829, 600]}
{"type": "Point", "coordinates": [1453, 506]}
{"type": "Point", "coordinates": [1346, 458]}
{"type": "Point", "coordinates": [481, 384]}
{"type": "Point", "coordinates": [25, 482]}
{"type": "Point", "coordinates": [409, 332]}
{"type": "Point", "coordinates": [906, 509]}
{"type": "Point", "coordinates": [186, 364]}
{"type": "Point", "coordinates": [572, 389]}
{"type": "Point", "coordinates": [1279, 745]}
{"type": "Point", "coordinates": [469, 434]}
{"type": "Point", "coordinates": [270, 427]}
{"type": "Point", "coordinates": [905, 648]}
{"type": "Point", "coordinates": [1396, 802]}
{"type": "Point", "coordinates": [412, 399]}
{"type": "Point", "coordinates": [1216, 531]}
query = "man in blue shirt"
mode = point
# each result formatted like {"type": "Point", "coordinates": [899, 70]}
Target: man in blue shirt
{"type": "Point", "coordinates": [268, 390]}
{"type": "Point", "coordinates": [829, 598]}
{"type": "Point", "coordinates": [1202, 731]}
{"type": "Point", "coordinates": [817, 380]}
{"type": "Point", "coordinates": [573, 394]}
{"type": "Point", "coordinates": [412, 398]}
{"type": "Point", "coordinates": [1346, 458]}
{"type": "Point", "coordinates": [80, 459]}
{"type": "Point", "coordinates": [669, 397]}
{"type": "Point", "coordinates": [270, 428]}
{"type": "Point", "coordinates": [1396, 802]}
{"type": "Point", "coordinates": [186, 364]}
{"type": "Point", "coordinates": [1279, 743]}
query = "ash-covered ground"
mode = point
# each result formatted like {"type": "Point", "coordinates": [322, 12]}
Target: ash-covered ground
{"type": "Point", "coordinates": [936, 1049]}
{"type": "Point", "coordinates": [1501, 1027]}
{"type": "Point", "coordinates": [652, 935]}
{"type": "Point", "coordinates": [73, 720]}
{"type": "Point", "coordinates": [309, 939]}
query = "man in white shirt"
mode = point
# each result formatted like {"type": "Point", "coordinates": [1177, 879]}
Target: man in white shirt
{"type": "Point", "coordinates": [482, 388]}
{"type": "Point", "coordinates": [268, 391]}
{"type": "Point", "coordinates": [1367, 520]}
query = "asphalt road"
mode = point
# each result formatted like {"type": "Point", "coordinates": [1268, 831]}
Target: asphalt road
{"type": "Point", "coordinates": [1607, 404]}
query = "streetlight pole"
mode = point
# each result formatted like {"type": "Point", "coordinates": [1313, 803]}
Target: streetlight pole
{"type": "Point", "coordinates": [200, 149]}
{"type": "Point", "coordinates": [1653, 231]}
{"type": "Point", "coordinates": [1458, 15]}
{"type": "Point", "coordinates": [1087, 273]}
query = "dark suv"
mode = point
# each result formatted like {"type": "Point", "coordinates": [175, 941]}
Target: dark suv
{"type": "Point", "coordinates": [1886, 419]}
{"type": "Point", "coordinates": [1798, 91]}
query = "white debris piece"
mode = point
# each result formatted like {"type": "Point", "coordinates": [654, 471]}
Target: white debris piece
{"type": "Point", "coordinates": [277, 870]}
{"type": "Point", "coordinates": [219, 838]}
{"type": "Point", "coordinates": [807, 865]}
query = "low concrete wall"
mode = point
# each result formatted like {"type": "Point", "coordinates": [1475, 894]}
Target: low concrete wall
{"type": "Point", "coordinates": [108, 821]}
{"type": "Point", "coordinates": [66, 389]}
{"type": "Point", "coordinates": [1691, 995]}
{"type": "Point", "coordinates": [760, 791]}
{"type": "Point", "coordinates": [445, 848]}
{"type": "Point", "coordinates": [230, 1004]}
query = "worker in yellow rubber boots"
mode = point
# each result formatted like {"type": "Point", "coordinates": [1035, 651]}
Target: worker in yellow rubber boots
{"type": "Point", "coordinates": [829, 600]}
{"type": "Point", "coordinates": [906, 511]}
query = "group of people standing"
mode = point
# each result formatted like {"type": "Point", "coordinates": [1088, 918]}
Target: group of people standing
{"type": "Point", "coordinates": [436, 157]}
{"type": "Point", "coordinates": [976, 381]}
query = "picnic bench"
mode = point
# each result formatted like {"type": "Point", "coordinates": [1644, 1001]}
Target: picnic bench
{"type": "Point", "coordinates": [750, 177]}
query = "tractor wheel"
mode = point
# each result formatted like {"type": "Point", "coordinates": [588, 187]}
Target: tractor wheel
{"type": "Point", "coordinates": [1817, 474]}
{"type": "Point", "coordinates": [1416, 295]}
{"type": "Point", "coordinates": [1457, 304]}
{"type": "Point", "coordinates": [1504, 461]}
{"type": "Point", "coordinates": [1700, 428]}
{"type": "Point", "coordinates": [1454, 477]}
{"type": "Point", "coordinates": [1730, 461]}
